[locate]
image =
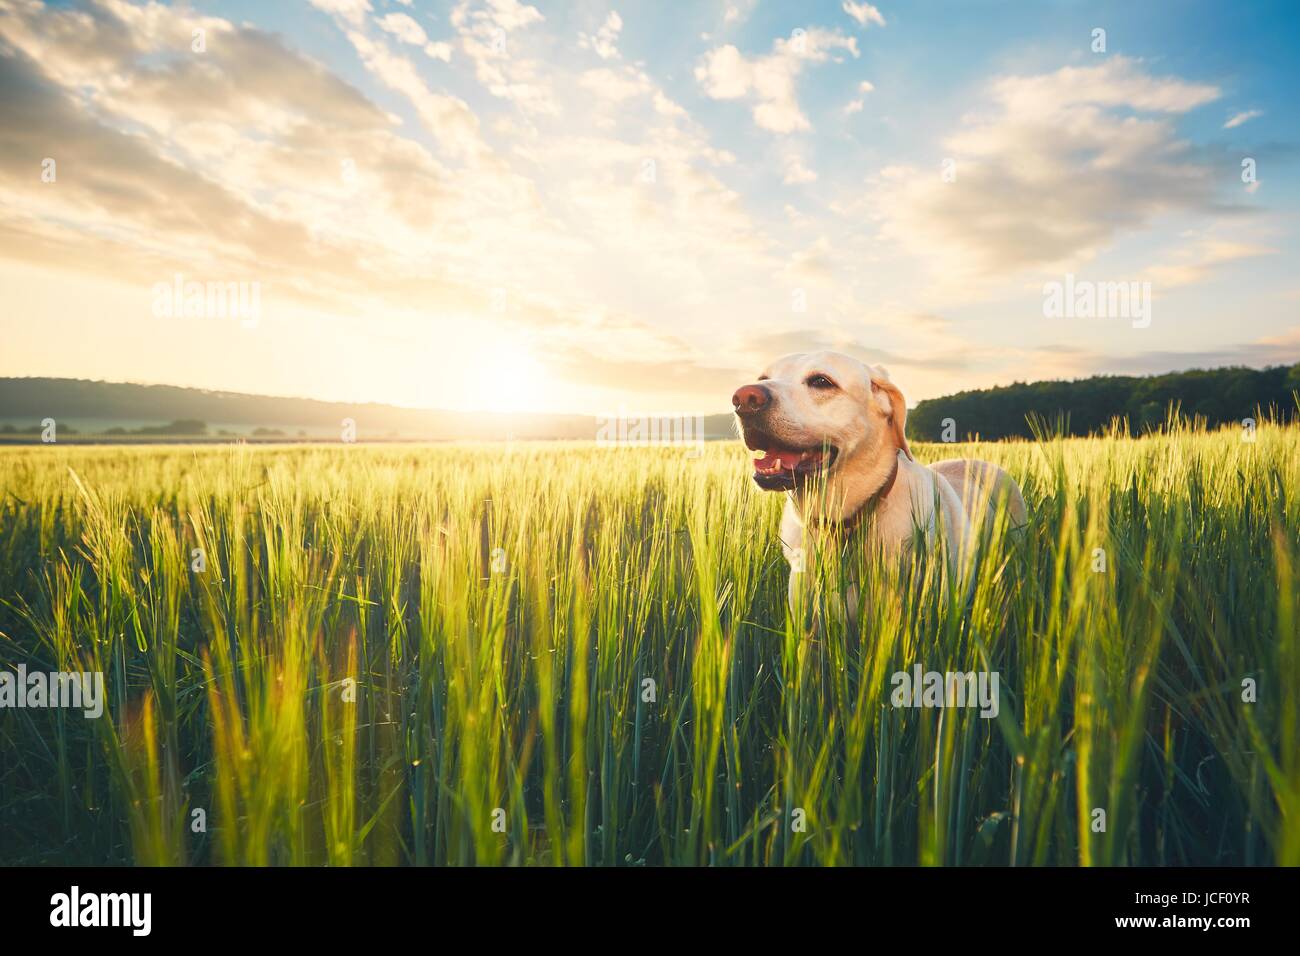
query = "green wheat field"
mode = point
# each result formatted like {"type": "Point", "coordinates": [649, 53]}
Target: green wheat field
{"type": "Point", "coordinates": [442, 655]}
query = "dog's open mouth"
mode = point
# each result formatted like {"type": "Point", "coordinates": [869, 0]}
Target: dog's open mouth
{"type": "Point", "coordinates": [778, 468]}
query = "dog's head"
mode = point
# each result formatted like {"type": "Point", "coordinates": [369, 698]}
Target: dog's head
{"type": "Point", "coordinates": [819, 413]}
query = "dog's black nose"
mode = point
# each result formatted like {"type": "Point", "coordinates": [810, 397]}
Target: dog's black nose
{"type": "Point", "coordinates": [750, 398]}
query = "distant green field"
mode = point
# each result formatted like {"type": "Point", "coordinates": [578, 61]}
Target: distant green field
{"type": "Point", "coordinates": [440, 655]}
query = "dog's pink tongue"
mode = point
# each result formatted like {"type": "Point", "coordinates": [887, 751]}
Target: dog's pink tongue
{"type": "Point", "coordinates": [783, 458]}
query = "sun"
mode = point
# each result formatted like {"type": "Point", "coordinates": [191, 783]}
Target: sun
{"type": "Point", "coordinates": [506, 379]}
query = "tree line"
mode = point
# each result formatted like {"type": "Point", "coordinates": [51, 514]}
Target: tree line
{"type": "Point", "coordinates": [1091, 405]}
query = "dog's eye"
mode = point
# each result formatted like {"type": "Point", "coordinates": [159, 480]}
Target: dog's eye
{"type": "Point", "coordinates": [819, 381]}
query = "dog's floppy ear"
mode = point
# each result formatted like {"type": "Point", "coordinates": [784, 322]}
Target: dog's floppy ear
{"type": "Point", "coordinates": [891, 400]}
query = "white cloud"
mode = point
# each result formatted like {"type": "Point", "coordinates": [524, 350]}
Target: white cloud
{"type": "Point", "coordinates": [1200, 258]}
{"type": "Point", "coordinates": [448, 118]}
{"type": "Point", "coordinates": [770, 82]}
{"type": "Point", "coordinates": [666, 107]}
{"type": "Point", "coordinates": [508, 15]}
{"type": "Point", "coordinates": [492, 35]}
{"type": "Point", "coordinates": [725, 74]}
{"type": "Point", "coordinates": [856, 106]}
{"type": "Point", "coordinates": [1240, 118]}
{"type": "Point", "coordinates": [738, 11]}
{"type": "Point", "coordinates": [864, 13]}
{"type": "Point", "coordinates": [1118, 82]}
{"type": "Point", "coordinates": [796, 173]}
{"type": "Point", "coordinates": [615, 85]}
{"type": "Point", "coordinates": [605, 41]}
{"type": "Point", "coordinates": [352, 11]}
{"type": "Point", "coordinates": [814, 262]}
{"type": "Point", "coordinates": [1050, 172]}
{"type": "Point", "coordinates": [404, 28]}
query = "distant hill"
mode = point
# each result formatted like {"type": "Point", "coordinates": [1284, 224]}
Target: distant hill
{"type": "Point", "coordinates": [111, 411]}
{"type": "Point", "coordinates": [1086, 406]}
{"type": "Point", "coordinates": [88, 410]}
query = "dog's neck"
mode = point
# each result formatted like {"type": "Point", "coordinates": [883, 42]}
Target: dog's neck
{"type": "Point", "coordinates": [845, 504]}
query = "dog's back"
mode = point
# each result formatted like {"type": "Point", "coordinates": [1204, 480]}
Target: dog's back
{"type": "Point", "coordinates": [982, 486]}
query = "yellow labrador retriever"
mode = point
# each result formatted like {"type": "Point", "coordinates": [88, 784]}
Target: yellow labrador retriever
{"type": "Point", "coordinates": [827, 415]}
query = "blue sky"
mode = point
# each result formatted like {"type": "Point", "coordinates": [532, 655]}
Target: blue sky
{"type": "Point", "coordinates": [594, 205]}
